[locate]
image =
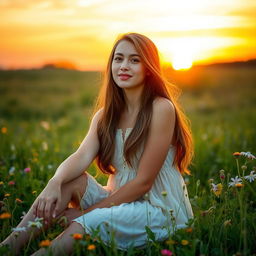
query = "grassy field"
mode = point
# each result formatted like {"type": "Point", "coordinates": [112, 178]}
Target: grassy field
{"type": "Point", "coordinates": [44, 115]}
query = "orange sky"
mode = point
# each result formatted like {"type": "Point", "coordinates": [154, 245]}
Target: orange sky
{"type": "Point", "coordinates": [82, 31]}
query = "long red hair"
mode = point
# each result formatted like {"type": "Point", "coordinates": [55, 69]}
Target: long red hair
{"type": "Point", "coordinates": [111, 99]}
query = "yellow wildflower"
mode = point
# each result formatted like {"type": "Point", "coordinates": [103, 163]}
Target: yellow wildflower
{"type": "Point", "coordinates": [239, 185]}
{"type": "Point", "coordinates": [4, 130]}
{"type": "Point", "coordinates": [45, 243]}
{"type": "Point", "coordinates": [6, 195]}
{"type": "Point", "coordinates": [188, 230]}
{"type": "Point", "coordinates": [184, 242]}
{"type": "Point", "coordinates": [217, 189]}
{"type": "Point", "coordinates": [5, 215]}
{"type": "Point", "coordinates": [77, 236]}
{"type": "Point", "coordinates": [91, 247]}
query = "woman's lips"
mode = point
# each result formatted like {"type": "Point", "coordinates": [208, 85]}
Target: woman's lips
{"type": "Point", "coordinates": [124, 77]}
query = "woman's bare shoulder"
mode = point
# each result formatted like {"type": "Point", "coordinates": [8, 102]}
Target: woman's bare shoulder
{"type": "Point", "coordinates": [161, 103]}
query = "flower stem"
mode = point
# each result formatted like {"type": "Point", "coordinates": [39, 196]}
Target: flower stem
{"type": "Point", "coordinates": [237, 165]}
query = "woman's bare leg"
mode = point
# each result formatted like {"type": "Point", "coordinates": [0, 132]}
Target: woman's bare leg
{"type": "Point", "coordinates": [71, 191]}
{"type": "Point", "coordinates": [63, 244]}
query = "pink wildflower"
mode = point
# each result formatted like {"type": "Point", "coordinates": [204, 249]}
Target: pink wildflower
{"type": "Point", "coordinates": [166, 252]}
{"type": "Point", "coordinates": [28, 169]}
{"type": "Point", "coordinates": [11, 183]}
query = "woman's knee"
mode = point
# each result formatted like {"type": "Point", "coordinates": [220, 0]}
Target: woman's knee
{"type": "Point", "coordinates": [78, 187]}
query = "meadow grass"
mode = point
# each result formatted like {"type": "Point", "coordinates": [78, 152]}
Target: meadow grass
{"type": "Point", "coordinates": [44, 115]}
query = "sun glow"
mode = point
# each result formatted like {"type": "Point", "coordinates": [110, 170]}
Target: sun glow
{"type": "Point", "coordinates": [182, 61]}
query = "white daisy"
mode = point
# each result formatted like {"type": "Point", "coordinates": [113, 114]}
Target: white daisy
{"type": "Point", "coordinates": [37, 223]}
{"type": "Point", "coordinates": [235, 181]}
{"type": "Point", "coordinates": [250, 177]}
{"type": "Point", "coordinates": [248, 155]}
{"type": "Point", "coordinates": [214, 187]}
{"type": "Point", "coordinates": [19, 229]}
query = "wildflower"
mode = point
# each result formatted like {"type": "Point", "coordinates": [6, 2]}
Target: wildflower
{"type": "Point", "coordinates": [28, 169]}
{"type": "Point", "coordinates": [236, 154]}
{"type": "Point", "coordinates": [251, 177]}
{"type": "Point", "coordinates": [11, 183]}
{"type": "Point", "coordinates": [239, 185]}
{"type": "Point", "coordinates": [45, 125]}
{"type": "Point", "coordinates": [248, 155]}
{"type": "Point", "coordinates": [203, 213]}
{"type": "Point", "coordinates": [166, 252]}
{"type": "Point", "coordinates": [91, 247]}
{"type": "Point", "coordinates": [23, 215]}
{"type": "Point", "coordinates": [7, 195]}
{"type": "Point", "coordinates": [217, 189]}
{"type": "Point", "coordinates": [222, 174]}
{"type": "Point", "coordinates": [11, 171]}
{"type": "Point", "coordinates": [1, 183]}
{"type": "Point", "coordinates": [18, 200]}
{"type": "Point", "coordinates": [4, 130]}
{"type": "Point", "coordinates": [19, 229]}
{"type": "Point", "coordinates": [184, 242]}
{"type": "Point", "coordinates": [243, 167]}
{"type": "Point", "coordinates": [227, 223]}
{"type": "Point", "coordinates": [5, 215]}
{"type": "Point", "coordinates": [45, 243]}
{"type": "Point", "coordinates": [189, 230]}
{"type": "Point", "coordinates": [34, 192]}
{"type": "Point", "coordinates": [234, 181]}
{"type": "Point", "coordinates": [210, 181]}
{"type": "Point", "coordinates": [77, 236]}
{"type": "Point", "coordinates": [37, 223]}
{"type": "Point", "coordinates": [44, 145]}
{"type": "Point", "coordinates": [170, 242]}
{"type": "Point", "coordinates": [164, 193]}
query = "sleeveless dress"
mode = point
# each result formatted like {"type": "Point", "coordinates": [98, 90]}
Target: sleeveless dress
{"type": "Point", "coordinates": [164, 209]}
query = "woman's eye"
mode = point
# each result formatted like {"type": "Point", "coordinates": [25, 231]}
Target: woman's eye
{"type": "Point", "coordinates": [135, 60]}
{"type": "Point", "coordinates": [117, 58]}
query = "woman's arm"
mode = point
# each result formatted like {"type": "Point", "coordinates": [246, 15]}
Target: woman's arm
{"type": "Point", "coordinates": [152, 159]}
{"type": "Point", "coordinates": [79, 161]}
{"type": "Point", "coordinates": [68, 170]}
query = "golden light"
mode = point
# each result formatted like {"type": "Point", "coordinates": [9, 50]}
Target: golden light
{"type": "Point", "coordinates": [182, 61]}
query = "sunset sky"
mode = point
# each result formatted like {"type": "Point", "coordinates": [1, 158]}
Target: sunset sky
{"type": "Point", "coordinates": [83, 31]}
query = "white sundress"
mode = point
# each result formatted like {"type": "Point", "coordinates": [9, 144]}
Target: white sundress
{"type": "Point", "coordinates": [126, 222]}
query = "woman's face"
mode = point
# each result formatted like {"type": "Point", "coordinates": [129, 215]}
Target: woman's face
{"type": "Point", "coordinates": [128, 71]}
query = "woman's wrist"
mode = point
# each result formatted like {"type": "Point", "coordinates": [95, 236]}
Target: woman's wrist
{"type": "Point", "coordinates": [56, 181]}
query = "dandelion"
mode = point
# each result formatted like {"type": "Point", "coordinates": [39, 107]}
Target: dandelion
{"type": "Point", "coordinates": [166, 252]}
{"type": "Point", "coordinates": [184, 242]}
{"type": "Point", "coordinates": [77, 236]}
{"type": "Point", "coordinates": [45, 243]}
{"type": "Point", "coordinates": [217, 189]}
{"type": "Point", "coordinates": [91, 247]}
{"type": "Point", "coordinates": [11, 170]}
{"type": "Point", "coordinates": [244, 167]}
{"type": "Point", "coordinates": [248, 155]}
{"type": "Point", "coordinates": [5, 215]}
{"type": "Point", "coordinates": [27, 170]}
{"type": "Point", "coordinates": [19, 229]}
{"type": "Point", "coordinates": [11, 183]}
{"type": "Point", "coordinates": [36, 223]}
{"type": "Point", "coordinates": [251, 177]}
{"type": "Point", "coordinates": [4, 130]}
{"type": "Point", "coordinates": [235, 181]}
{"type": "Point", "coordinates": [164, 193]}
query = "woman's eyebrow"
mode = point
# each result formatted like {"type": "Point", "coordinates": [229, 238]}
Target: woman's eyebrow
{"type": "Point", "coordinates": [118, 53]}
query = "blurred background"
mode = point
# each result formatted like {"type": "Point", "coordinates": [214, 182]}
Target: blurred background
{"type": "Point", "coordinates": [52, 54]}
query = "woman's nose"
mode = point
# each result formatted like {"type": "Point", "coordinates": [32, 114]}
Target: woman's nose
{"type": "Point", "coordinates": [124, 65]}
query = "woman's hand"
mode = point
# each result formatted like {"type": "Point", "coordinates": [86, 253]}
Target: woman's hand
{"type": "Point", "coordinates": [48, 201]}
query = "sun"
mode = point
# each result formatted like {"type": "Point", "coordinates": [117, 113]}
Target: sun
{"type": "Point", "coordinates": [181, 61]}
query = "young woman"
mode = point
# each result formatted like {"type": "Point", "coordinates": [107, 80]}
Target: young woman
{"type": "Point", "coordinates": [139, 137]}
